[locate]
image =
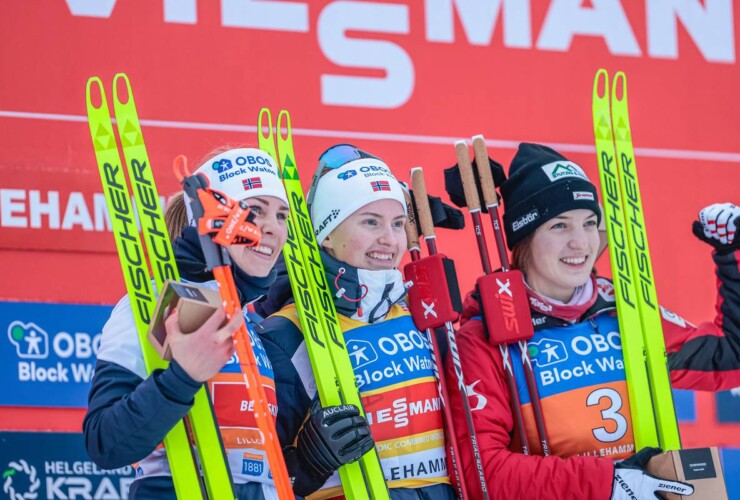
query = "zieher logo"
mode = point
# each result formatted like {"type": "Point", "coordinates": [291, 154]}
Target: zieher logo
{"type": "Point", "coordinates": [30, 341]}
{"type": "Point", "coordinates": [546, 352]}
{"type": "Point", "coordinates": [13, 484]}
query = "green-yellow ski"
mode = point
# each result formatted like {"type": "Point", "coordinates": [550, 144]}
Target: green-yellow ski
{"type": "Point", "coordinates": [138, 284]}
{"type": "Point", "coordinates": [643, 347]}
{"type": "Point", "coordinates": [335, 379]}
{"type": "Point", "coordinates": [650, 318]}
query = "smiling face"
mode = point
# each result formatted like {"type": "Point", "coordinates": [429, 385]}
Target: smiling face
{"type": "Point", "coordinates": [371, 238]}
{"type": "Point", "coordinates": [270, 215]}
{"type": "Point", "coordinates": [562, 253]}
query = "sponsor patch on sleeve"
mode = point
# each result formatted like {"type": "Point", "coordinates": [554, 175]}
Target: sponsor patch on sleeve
{"type": "Point", "coordinates": [672, 317]}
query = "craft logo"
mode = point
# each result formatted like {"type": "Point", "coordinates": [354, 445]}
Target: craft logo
{"type": "Point", "coordinates": [526, 219]}
{"type": "Point", "coordinates": [20, 480]}
{"type": "Point", "coordinates": [348, 174]}
{"type": "Point", "coordinates": [560, 169]}
{"type": "Point", "coordinates": [222, 165]}
{"type": "Point", "coordinates": [333, 215]}
{"type": "Point", "coordinates": [362, 353]}
{"type": "Point", "coordinates": [546, 352]}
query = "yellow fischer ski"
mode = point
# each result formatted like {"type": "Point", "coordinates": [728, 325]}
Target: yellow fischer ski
{"type": "Point", "coordinates": [650, 317]}
{"type": "Point", "coordinates": [332, 368]}
{"type": "Point", "coordinates": [648, 383]}
{"type": "Point", "coordinates": [185, 474]}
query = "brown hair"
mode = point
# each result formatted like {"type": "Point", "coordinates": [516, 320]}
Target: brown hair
{"type": "Point", "coordinates": [176, 215]}
{"type": "Point", "coordinates": [521, 254]}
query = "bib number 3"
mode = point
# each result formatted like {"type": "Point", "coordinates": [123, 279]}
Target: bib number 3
{"type": "Point", "coordinates": [609, 413]}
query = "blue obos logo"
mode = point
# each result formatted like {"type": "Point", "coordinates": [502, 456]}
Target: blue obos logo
{"type": "Point", "coordinates": [222, 166]}
{"type": "Point", "coordinates": [347, 175]}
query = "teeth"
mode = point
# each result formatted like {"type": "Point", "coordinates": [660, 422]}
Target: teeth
{"type": "Point", "coordinates": [262, 249]}
{"type": "Point", "coordinates": [381, 256]}
{"type": "Point", "coordinates": [574, 260]}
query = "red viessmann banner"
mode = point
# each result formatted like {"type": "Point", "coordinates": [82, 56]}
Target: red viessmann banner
{"type": "Point", "coordinates": [400, 79]}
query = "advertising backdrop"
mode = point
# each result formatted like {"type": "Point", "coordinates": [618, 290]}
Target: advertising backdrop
{"type": "Point", "coordinates": [401, 79]}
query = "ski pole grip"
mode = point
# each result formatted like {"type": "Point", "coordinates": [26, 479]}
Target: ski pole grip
{"type": "Point", "coordinates": [466, 174]}
{"type": "Point", "coordinates": [412, 231]}
{"type": "Point", "coordinates": [422, 202]}
{"type": "Point", "coordinates": [484, 171]}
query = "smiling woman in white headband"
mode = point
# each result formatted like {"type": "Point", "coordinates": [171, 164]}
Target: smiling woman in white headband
{"type": "Point", "coordinates": [129, 413]}
{"type": "Point", "coordinates": [358, 211]}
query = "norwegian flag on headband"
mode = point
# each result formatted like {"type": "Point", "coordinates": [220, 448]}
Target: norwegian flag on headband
{"type": "Point", "coordinates": [252, 183]}
{"type": "Point", "coordinates": [380, 186]}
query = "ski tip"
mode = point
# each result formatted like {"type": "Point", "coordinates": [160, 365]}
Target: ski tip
{"type": "Point", "coordinates": [414, 169]}
{"type": "Point", "coordinates": [461, 141]}
{"type": "Point", "coordinates": [479, 137]}
{"type": "Point", "coordinates": [96, 101]}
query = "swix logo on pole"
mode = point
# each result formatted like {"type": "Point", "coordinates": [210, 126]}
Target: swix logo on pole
{"type": "Point", "coordinates": [428, 309]}
{"type": "Point", "coordinates": [504, 287]}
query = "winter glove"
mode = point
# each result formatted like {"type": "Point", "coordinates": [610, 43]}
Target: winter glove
{"type": "Point", "coordinates": [717, 226]}
{"type": "Point", "coordinates": [443, 215]}
{"type": "Point", "coordinates": [631, 482]}
{"type": "Point", "coordinates": [454, 187]}
{"type": "Point", "coordinates": [331, 437]}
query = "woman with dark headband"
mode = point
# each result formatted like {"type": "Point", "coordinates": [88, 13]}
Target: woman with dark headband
{"type": "Point", "coordinates": [358, 211]}
{"type": "Point", "coordinates": [551, 221]}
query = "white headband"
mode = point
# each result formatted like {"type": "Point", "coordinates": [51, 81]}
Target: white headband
{"type": "Point", "coordinates": [343, 191]}
{"type": "Point", "coordinates": [244, 173]}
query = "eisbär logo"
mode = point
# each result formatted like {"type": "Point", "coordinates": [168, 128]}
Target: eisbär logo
{"type": "Point", "coordinates": [18, 488]}
{"type": "Point", "coordinates": [30, 341]}
{"type": "Point", "coordinates": [525, 219]}
{"type": "Point", "coordinates": [561, 169]}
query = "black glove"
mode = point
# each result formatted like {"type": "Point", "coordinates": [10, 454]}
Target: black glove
{"type": "Point", "coordinates": [454, 187]}
{"type": "Point", "coordinates": [443, 215]}
{"type": "Point", "coordinates": [331, 437]}
{"type": "Point", "coordinates": [718, 225]}
{"type": "Point", "coordinates": [631, 482]}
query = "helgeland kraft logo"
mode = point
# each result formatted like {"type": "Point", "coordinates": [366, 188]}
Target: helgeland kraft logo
{"type": "Point", "coordinates": [20, 480]}
{"type": "Point", "coordinates": [347, 175]}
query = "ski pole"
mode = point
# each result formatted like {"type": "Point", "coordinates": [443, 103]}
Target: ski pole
{"type": "Point", "coordinates": [473, 203]}
{"type": "Point", "coordinates": [412, 236]}
{"type": "Point", "coordinates": [217, 260]}
{"type": "Point", "coordinates": [427, 229]}
{"type": "Point", "coordinates": [491, 200]}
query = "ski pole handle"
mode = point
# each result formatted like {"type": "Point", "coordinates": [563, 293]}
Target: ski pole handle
{"type": "Point", "coordinates": [422, 203]}
{"type": "Point", "coordinates": [466, 174]}
{"type": "Point", "coordinates": [484, 172]}
{"type": "Point", "coordinates": [411, 228]}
